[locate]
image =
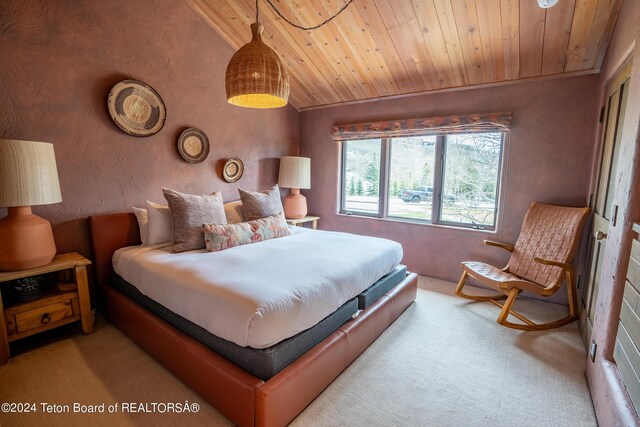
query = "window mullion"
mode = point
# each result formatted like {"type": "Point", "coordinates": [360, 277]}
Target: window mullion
{"type": "Point", "coordinates": [343, 176]}
{"type": "Point", "coordinates": [385, 158]}
{"type": "Point", "coordinates": [438, 179]}
{"type": "Point", "coordinates": [499, 183]}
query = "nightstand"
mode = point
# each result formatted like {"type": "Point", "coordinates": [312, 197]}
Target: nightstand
{"type": "Point", "coordinates": [309, 218]}
{"type": "Point", "coordinates": [60, 304]}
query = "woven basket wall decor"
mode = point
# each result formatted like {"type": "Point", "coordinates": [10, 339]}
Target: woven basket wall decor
{"type": "Point", "coordinates": [233, 170]}
{"type": "Point", "coordinates": [193, 145]}
{"type": "Point", "coordinates": [136, 108]}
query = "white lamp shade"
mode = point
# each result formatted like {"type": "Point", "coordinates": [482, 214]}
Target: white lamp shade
{"type": "Point", "coordinates": [28, 174]}
{"type": "Point", "coordinates": [295, 172]}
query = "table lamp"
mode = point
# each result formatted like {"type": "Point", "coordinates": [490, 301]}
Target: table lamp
{"type": "Point", "coordinates": [295, 173]}
{"type": "Point", "coordinates": [28, 176]}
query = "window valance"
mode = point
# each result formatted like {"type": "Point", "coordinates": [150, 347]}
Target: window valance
{"type": "Point", "coordinates": [492, 122]}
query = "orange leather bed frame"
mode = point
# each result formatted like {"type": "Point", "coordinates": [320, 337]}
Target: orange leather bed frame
{"type": "Point", "coordinates": [243, 398]}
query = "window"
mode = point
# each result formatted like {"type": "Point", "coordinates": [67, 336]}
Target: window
{"type": "Point", "coordinates": [411, 177]}
{"type": "Point", "coordinates": [446, 179]}
{"type": "Point", "coordinates": [361, 176]}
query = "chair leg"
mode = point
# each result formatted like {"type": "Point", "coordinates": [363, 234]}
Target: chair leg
{"type": "Point", "coordinates": [506, 308]}
{"type": "Point", "coordinates": [529, 325]}
{"type": "Point", "coordinates": [572, 295]}
{"type": "Point", "coordinates": [462, 282]}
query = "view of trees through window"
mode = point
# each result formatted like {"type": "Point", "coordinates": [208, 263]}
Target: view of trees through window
{"type": "Point", "coordinates": [467, 183]}
{"type": "Point", "coordinates": [411, 177]}
{"type": "Point", "coordinates": [471, 176]}
{"type": "Point", "coordinates": [362, 175]}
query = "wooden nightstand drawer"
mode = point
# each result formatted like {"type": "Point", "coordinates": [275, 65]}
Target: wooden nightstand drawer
{"type": "Point", "coordinates": [43, 316]}
{"type": "Point", "coordinates": [36, 316]}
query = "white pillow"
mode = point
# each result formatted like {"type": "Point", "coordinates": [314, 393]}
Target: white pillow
{"type": "Point", "coordinates": [159, 223]}
{"type": "Point", "coordinates": [143, 223]}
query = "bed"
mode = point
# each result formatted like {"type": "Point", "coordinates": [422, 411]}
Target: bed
{"type": "Point", "coordinates": [264, 398]}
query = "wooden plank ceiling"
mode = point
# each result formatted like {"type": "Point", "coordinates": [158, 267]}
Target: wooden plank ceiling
{"type": "Point", "coordinates": [380, 48]}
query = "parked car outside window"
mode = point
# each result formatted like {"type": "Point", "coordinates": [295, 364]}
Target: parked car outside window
{"type": "Point", "coordinates": [422, 194]}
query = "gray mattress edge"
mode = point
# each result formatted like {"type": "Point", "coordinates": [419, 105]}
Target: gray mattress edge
{"type": "Point", "coordinates": [379, 288]}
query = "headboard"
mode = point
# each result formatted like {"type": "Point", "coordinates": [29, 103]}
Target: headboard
{"type": "Point", "coordinates": [110, 233]}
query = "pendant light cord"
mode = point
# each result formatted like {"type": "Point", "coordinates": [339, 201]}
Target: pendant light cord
{"type": "Point", "coordinates": [293, 24]}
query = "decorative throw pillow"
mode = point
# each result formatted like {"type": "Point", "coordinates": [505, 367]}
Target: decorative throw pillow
{"type": "Point", "coordinates": [159, 219]}
{"type": "Point", "coordinates": [220, 237]}
{"type": "Point", "coordinates": [188, 213]}
{"type": "Point", "coordinates": [261, 204]}
{"type": "Point", "coordinates": [234, 212]}
{"type": "Point", "coordinates": [143, 224]}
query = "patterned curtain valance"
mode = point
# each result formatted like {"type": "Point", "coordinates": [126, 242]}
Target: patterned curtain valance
{"type": "Point", "coordinates": [492, 122]}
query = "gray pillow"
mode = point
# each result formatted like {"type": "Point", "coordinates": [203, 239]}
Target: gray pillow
{"type": "Point", "coordinates": [188, 213]}
{"type": "Point", "coordinates": [261, 204]}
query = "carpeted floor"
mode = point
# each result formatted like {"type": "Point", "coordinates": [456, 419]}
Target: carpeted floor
{"type": "Point", "coordinates": [444, 362]}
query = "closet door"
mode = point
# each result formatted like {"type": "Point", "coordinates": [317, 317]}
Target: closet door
{"type": "Point", "coordinates": [604, 211]}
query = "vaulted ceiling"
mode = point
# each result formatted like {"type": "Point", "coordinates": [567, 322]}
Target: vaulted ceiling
{"type": "Point", "coordinates": [379, 48]}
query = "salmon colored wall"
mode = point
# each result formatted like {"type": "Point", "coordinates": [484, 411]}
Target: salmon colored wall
{"type": "Point", "coordinates": [59, 62]}
{"type": "Point", "coordinates": [60, 59]}
{"type": "Point", "coordinates": [548, 159]}
{"type": "Point", "coordinates": [612, 404]}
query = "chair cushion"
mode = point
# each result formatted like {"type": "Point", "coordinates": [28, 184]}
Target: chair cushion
{"type": "Point", "coordinates": [498, 279]}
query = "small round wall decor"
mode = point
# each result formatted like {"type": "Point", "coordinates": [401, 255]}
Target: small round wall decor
{"type": "Point", "coordinates": [136, 108]}
{"type": "Point", "coordinates": [233, 170]}
{"type": "Point", "coordinates": [193, 145]}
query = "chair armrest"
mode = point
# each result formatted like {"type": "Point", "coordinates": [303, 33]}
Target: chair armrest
{"type": "Point", "coordinates": [563, 265]}
{"type": "Point", "coordinates": [499, 245]}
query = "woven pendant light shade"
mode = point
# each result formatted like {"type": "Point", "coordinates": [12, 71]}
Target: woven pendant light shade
{"type": "Point", "coordinates": [255, 77]}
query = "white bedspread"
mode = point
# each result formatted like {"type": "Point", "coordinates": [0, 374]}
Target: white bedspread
{"type": "Point", "coordinates": [259, 294]}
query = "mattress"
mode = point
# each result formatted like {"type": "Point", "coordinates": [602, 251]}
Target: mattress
{"type": "Point", "coordinates": [260, 294]}
{"type": "Point", "coordinates": [382, 286]}
{"type": "Point", "coordinates": [267, 362]}
{"type": "Point", "coordinates": [263, 363]}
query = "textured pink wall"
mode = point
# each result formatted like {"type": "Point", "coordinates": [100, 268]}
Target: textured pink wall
{"type": "Point", "coordinates": [59, 61]}
{"type": "Point", "coordinates": [549, 157]}
{"type": "Point", "coordinates": [613, 407]}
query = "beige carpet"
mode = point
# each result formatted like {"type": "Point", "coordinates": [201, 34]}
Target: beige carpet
{"type": "Point", "coordinates": [445, 362]}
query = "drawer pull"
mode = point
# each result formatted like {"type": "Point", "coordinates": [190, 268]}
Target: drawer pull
{"type": "Point", "coordinates": [45, 318]}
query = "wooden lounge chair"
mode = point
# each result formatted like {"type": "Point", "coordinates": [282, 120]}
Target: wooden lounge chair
{"type": "Point", "coordinates": [539, 263]}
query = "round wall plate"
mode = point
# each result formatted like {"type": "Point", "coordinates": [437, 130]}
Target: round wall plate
{"type": "Point", "coordinates": [193, 145]}
{"type": "Point", "coordinates": [136, 108]}
{"type": "Point", "coordinates": [233, 170]}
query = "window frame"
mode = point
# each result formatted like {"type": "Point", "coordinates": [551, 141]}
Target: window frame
{"type": "Point", "coordinates": [343, 182]}
{"type": "Point", "coordinates": [439, 171]}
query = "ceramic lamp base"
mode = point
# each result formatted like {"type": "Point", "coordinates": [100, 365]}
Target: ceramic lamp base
{"type": "Point", "coordinates": [27, 240]}
{"type": "Point", "coordinates": [295, 205]}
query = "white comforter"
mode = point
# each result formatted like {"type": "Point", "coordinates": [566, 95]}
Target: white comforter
{"type": "Point", "coordinates": [259, 294]}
